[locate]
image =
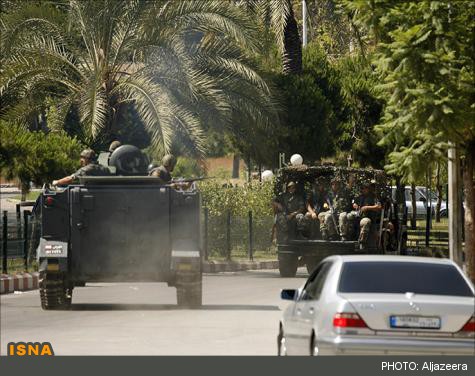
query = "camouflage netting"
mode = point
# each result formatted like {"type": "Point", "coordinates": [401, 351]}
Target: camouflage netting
{"type": "Point", "coordinates": [352, 178]}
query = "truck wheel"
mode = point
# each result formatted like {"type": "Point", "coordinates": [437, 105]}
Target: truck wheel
{"type": "Point", "coordinates": [288, 265]}
{"type": "Point", "coordinates": [189, 290]}
{"type": "Point", "coordinates": [54, 293]}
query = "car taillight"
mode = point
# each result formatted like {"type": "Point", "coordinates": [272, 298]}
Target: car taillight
{"type": "Point", "coordinates": [49, 201]}
{"type": "Point", "coordinates": [469, 326]}
{"type": "Point", "coordinates": [348, 320]}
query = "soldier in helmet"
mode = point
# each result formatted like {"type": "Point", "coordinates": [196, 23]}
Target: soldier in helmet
{"type": "Point", "coordinates": [316, 203]}
{"type": "Point", "coordinates": [164, 171]}
{"type": "Point", "coordinates": [369, 207]}
{"type": "Point", "coordinates": [289, 208]}
{"type": "Point", "coordinates": [333, 222]}
{"type": "Point", "coordinates": [89, 167]}
{"type": "Point", "coordinates": [114, 145]}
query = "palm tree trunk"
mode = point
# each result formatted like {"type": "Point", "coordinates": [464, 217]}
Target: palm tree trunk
{"type": "Point", "coordinates": [292, 59]}
{"type": "Point", "coordinates": [469, 200]}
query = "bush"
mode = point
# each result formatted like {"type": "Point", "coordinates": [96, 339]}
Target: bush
{"type": "Point", "coordinates": [254, 196]}
{"type": "Point", "coordinates": [36, 157]}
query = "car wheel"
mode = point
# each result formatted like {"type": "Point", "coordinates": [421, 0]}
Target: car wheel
{"type": "Point", "coordinates": [281, 345]}
{"type": "Point", "coordinates": [313, 346]}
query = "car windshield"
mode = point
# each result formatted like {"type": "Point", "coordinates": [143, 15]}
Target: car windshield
{"type": "Point", "coordinates": [401, 277]}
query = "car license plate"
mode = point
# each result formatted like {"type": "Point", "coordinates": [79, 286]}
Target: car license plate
{"type": "Point", "coordinates": [423, 322]}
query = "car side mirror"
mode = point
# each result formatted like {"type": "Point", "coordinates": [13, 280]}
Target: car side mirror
{"type": "Point", "coordinates": [288, 294]}
{"type": "Point", "coordinates": [423, 199]}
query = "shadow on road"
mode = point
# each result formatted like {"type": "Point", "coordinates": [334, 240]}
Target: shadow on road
{"type": "Point", "coordinates": [302, 273]}
{"type": "Point", "coordinates": [169, 307]}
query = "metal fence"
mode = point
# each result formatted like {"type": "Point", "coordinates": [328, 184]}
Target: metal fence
{"type": "Point", "coordinates": [19, 238]}
{"type": "Point", "coordinates": [223, 237]}
{"type": "Point", "coordinates": [227, 236]}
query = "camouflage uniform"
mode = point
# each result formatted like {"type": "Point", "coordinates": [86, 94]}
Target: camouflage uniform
{"type": "Point", "coordinates": [346, 218]}
{"type": "Point", "coordinates": [341, 203]}
{"type": "Point", "coordinates": [163, 171]}
{"type": "Point", "coordinates": [316, 201]}
{"type": "Point", "coordinates": [368, 217]}
{"type": "Point", "coordinates": [290, 203]}
{"type": "Point", "coordinates": [91, 169]}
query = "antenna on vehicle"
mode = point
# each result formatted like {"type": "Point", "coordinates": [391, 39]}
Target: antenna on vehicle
{"type": "Point", "coordinates": [282, 160]}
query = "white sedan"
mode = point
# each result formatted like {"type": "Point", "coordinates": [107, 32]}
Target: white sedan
{"type": "Point", "coordinates": [397, 305]}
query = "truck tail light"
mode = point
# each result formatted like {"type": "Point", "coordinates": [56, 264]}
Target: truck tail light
{"type": "Point", "coordinates": [348, 320]}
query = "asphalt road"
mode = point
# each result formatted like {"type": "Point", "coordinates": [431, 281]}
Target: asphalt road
{"type": "Point", "coordinates": [240, 316]}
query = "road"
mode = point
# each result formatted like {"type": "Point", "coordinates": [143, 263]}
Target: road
{"type": "Point", "coordinates": [240, 316]}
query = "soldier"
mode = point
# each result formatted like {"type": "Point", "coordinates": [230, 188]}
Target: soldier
{"type": "Point", "coordinates": [316, 202]}
{"type": "Point", "coordinates": [114, 145]}
{"type": "Point", "coordinates": [289, 208]}
{"type": "Point", "coordinates": [334, 222]}
{"type": "Point", "coordinates": [89, 167]}
{"type": "Point", "coordinates": [164, 171]}
{"type": "Point", "coordinates": [369, 208]}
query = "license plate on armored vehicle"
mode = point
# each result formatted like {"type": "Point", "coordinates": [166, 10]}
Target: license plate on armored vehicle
{"type": "Point", "coordinates": [421, 322]}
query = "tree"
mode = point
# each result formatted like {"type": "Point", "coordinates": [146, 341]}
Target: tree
{"type": "Point", "coordinates": [359, 110]}
{"type": "Point", "coordinates": [177, 63]}
{"type": "Point", "coordinates": [425, 57]}
{"type": "Point", "coordinates": [277, 16]}
{"type": "Point", "coordinates": [36, 157]}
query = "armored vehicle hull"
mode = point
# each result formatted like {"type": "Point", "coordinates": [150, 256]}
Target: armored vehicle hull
{"type": "Point", "coordinates": [119, 229]}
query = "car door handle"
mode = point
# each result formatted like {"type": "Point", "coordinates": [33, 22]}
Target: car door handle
{"type": "Point", "coordinates": [299, 311]}
{"type": "Point", "coordinates": [311, 310]}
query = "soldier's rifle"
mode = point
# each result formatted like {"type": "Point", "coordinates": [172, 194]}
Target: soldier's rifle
{"type": "Point", "coordinates": [332, 214]}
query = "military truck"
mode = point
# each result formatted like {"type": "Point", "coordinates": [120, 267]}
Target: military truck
{"type": "Point", "coordinates": [387, 235]}
{"type": "Point", "coordinates": [126, 227]}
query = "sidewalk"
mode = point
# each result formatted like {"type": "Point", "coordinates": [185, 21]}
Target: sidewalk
{"type": "Point", "coordinates": [29, 281]}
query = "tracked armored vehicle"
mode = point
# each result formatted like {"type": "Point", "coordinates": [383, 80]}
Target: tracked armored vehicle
{"type": "Point", "coordinates": [126, 227]}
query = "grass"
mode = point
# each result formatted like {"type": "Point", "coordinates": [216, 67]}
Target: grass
{"type": "Point", "coordinates": [16, 265]}
{"type": "Point", "coordinates": [31, 196]}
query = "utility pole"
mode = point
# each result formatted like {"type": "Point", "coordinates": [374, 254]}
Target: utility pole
{"type": "Point", "coordinates": [454, 205]}
{"type": "Point", "coordinates": [304, 23]}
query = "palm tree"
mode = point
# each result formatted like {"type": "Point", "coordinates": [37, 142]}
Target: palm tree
{"type": "Point", "coordinates": [177, 62]}
{"type": "Point", "coordinates": [279, 17]}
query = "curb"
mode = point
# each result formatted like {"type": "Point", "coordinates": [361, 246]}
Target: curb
{"type": "Point", "coordinates": [29, 281]}
{"type": "Point", "coordinates": [18, 282]}
{"type": "Point", "coordinates": [233, 266]}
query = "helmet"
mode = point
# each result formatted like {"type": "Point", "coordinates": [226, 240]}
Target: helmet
{"type": "Point", "coordinates": [336, 179]}
{"type": "Point", "coordinates": [114, 145]}
{"type": "Point", "coordinates": [151, 166]}
{"type": "Point", "coordinates": [88, 154]}
{"type": "Point", "coordinates": [169, 160]}
{"type": "Point", "coordinates": [369, 184]}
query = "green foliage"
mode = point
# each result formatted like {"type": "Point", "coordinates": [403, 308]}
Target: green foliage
{"type": "Point", "coordinates": [36, 157]}
{"type": "Point", "coordinates": [360, 112]}
{"type": "Point", "coordinates": [425, 61]}
{"type": "Point", "coordinates": [187, 168]}
{"type": "Point", "coordinates": [255, 197]}
{"type": "Point", "coordinates": [177, 63]}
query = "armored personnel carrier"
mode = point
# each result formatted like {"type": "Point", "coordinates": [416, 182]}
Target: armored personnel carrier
{"type": "Point", "coordinates": [126, 227]}
{"type": "Point", "coordinates": [297, 248]}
